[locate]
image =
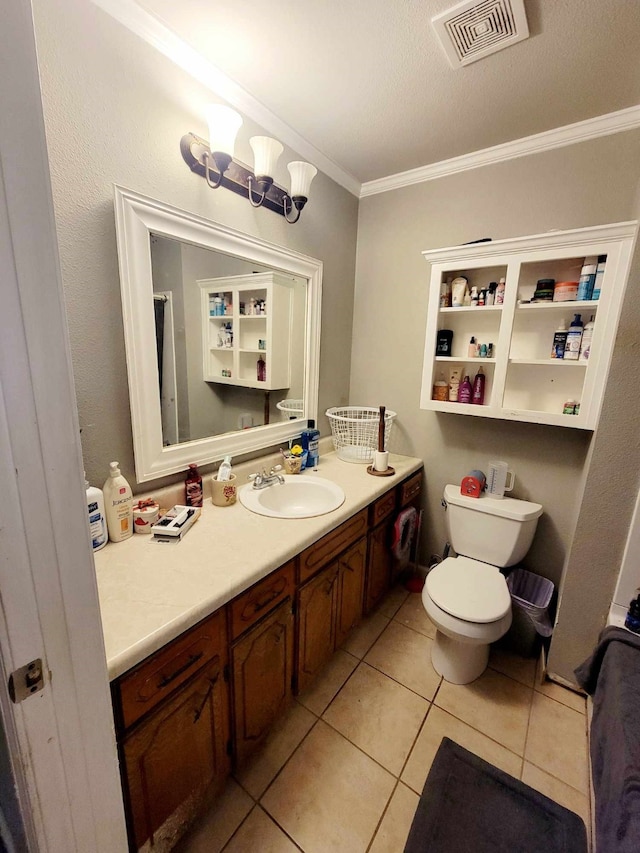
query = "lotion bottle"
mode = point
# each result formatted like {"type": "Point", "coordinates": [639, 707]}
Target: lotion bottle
{"type": "Point", "coordinates": [585, 343]}
{"type": "Point", "coordinates": [454, 386]}
{"type": "Point", "coordinates": [97, 519]}
{"type": "Point", "coordinates": [574, 338]}
{"type": "Point", "coordinates": [118, 500]}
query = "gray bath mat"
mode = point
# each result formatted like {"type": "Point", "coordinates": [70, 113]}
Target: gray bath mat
{"type": "Point", "coordinates": [470, 806]}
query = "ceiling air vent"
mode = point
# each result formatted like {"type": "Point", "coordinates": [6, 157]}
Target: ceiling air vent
{"type": "Point", "coordinates": [472, 30]}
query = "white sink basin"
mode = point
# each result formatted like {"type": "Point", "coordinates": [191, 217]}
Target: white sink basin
{"type": "Point", "coordinates": [298, 497]}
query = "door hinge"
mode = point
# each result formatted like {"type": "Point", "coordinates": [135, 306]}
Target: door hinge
{"type": "Point", "coordinates": [26, 680]}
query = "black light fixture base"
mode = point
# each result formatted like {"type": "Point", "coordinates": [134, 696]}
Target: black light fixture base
{"type": "Point", "coordinates": [235, 178]}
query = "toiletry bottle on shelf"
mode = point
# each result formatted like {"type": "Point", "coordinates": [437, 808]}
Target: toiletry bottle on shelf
{"type": "Point", "coordinates": [597, 287]}
{"type": "Point", "coordinates": [569, 408]}
{"type": "Point", "coordinates": [477, 393]}
{"type": "Point", "coordinates": [262, 370]}
{"type": "Point", "coordinates": [491, 293]}
{"type": "Point", "coordinates": [559, 341]}
{"type": "Point", "coordinates": [465, 391]}
{"type": "Point", "coordinates": [500, 292]}
{"type": "Point", "coordinates": [440, 388]}
{"type": "Point", "coordinates": [632, 621]}
{"type": "Point", "coordinates": [118, 501]}
{"type": "Point", "coordinates": [224, 471]}
{"type": "Point", "coordinates": [474, 296]}
{"type": "Point", "coordinates": [574, 338]}
{"type": "Point", "coordinates": [585, 343]}
{"type": "Point", "coordinates": [193, 486]}
{"type": "Point", "coordinates": [310, 440]}
{"type": "Point", "coordinates": [587, 279]}
{"type": "Point", "coordinates": [454, 386]}
{"type": "Point", "coordinates": [473, 348]}
{"type": "Point", "coordinates": [97, 519]}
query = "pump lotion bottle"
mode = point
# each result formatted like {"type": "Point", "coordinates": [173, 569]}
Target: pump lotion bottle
{"type": "Point", "coordinates": [118, 500]}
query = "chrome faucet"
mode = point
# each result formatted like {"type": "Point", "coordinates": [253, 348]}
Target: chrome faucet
{"type": "Point", "coordinates": [264, 480]}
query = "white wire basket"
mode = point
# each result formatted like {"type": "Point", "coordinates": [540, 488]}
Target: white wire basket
{"type": "Point", "coordinates": [290, 409]}
{"type": "Point", "coordinates": [355, 431]}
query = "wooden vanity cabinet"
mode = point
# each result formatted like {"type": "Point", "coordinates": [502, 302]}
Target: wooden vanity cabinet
{"type": "Point", "coordinates": [262, 652]}
{"type": "Point", "coordinates": [330, 603]}
{"type": "Point", "coordinates": [177, 747]}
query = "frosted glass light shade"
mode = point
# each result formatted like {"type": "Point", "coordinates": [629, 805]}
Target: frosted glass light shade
{"type": "Point", "coordinates": [266, 152]}
{"type": "Point", "coordinates": [301, 176]}
{"type": "Point", "coordinates": [224, 124]}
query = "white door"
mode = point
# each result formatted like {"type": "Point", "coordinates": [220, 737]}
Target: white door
{"type": "Point", "coordinates": [61, 737]}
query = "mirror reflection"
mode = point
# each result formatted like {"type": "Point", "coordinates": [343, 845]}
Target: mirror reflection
{"type": "Point", "coordinates": [230, 341]}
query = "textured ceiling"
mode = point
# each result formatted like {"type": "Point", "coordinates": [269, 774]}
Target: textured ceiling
{"type": "Point", "coordinates": [367, 83]}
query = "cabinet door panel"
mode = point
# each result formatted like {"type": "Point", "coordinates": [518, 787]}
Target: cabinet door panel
{"type": "Point", "coordinates": [178, 752]}
{"type": "Point", "coordinates": [262, 665]}
{"type": "Point", "coordinates": [379, 565]}
{"type": "Point", "coordinates": [316, 624]}
{"type": "Point", "coordinates": [350, 590]}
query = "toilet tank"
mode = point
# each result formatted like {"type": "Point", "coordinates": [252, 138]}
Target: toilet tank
{"type": "Point", "coordinates": [492, 530]}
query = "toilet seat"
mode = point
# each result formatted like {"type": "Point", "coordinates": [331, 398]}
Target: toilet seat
{"type": "Point", "coordinates": [469, 590]}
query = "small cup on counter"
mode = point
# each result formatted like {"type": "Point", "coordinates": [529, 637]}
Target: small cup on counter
{"type": "Point", "coordinates": [224, 492]}
{"type": "Point", "coordinates": [145, 515]}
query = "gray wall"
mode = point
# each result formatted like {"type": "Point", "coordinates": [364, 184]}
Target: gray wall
{"type": "Point", "coordinates": [587, 184]}
{"type": "Point", "coordinates": [115, 110]}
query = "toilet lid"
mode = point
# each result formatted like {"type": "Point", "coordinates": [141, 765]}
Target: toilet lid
{"type": "Point", "coordinates": [469, 590]}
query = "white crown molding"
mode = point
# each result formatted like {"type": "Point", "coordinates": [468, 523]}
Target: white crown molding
{"type": "Point", "coordinates": [158, 35]}
{"type": "Point", "coordinates": [581, 131]}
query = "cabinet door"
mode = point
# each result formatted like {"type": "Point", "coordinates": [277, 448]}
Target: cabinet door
{"type": "Point", "coordinates": [316, 624]}
{"type": "Point", "coordinates": [351, 567]}
{"type": "Point", "coordinates": [262, 666]}
{"type": "Point", "coordinates": [178, 751]}
{"type": "Point", "coordinates": [379, 564]}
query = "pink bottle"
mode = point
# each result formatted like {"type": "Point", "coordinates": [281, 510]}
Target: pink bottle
{"type": "Point", "coordinates": [477, 395]}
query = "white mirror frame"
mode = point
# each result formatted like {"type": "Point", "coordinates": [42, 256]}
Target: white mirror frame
{"type": "Point", "coordinates": [136, 218]}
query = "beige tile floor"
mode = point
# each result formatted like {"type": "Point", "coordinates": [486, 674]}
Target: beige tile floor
{"type": "Point", "coordinates": [343, 769]}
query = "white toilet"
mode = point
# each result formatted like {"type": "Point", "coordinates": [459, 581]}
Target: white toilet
{"type": "Point", "coordinates": [466, 597]}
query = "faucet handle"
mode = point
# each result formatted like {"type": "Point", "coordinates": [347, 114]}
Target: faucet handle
{"type": "Point", "coordinates": [257, 477]}
{"type": "Point", "coordinates": [275, 469]}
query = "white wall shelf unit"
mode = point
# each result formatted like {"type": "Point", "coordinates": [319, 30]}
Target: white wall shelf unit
{"type": "Point", "coordinates": [234, 342]}
{"type": "Point", "coordinates": [523, 383]}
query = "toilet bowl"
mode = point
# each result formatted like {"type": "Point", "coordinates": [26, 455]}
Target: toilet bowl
{"type": "Point", "coordinates": [466, 597]}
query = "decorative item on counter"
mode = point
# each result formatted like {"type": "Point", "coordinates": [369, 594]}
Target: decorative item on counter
{"type": "Point", "coordinates": [473, 484]}
{"type": "Point", "coordinates": [145, 515]}
{"type": "Point", "coordinates": [445, 294]}
{"type": "Point", "coordinates": [97, 517]}
{"type": "Point", "coordinates": [444, 342]}
{"type": "Point", "coordinates": [597, 287]}
{"type": "Point", "coordinates": [497, 484]}
{"type": "Point", "coordinates": [193, 486]}
{"type": "Point", "coordinates": [440, 388]}
{"type": "Point", "coordinates": [173, 526]}
{"type": "Point", "coordinates": [574, 339]}
{"type": "Point", "coordinates": [585, 343]}
{"type": "Point", "coordinates": [477, 393]}
{"type": "Point", "coordinates": [587, 282]}
{"type": "Point", "coordinates": [118, 500]}
{"type": "Point", "coordinates": [261, 368]}
{"type": "Point", "coordinates": [559, 341]}
{"type": "Point", "coordinates": [544, 290]}
{"type": "Point", "coordinates": [632, 620]}
{"type": "Point", "coordinates": [381, 467]}
{"type": "Point", "coordinates": [565, 291]}
{"type": "Point", "coordinates": [224, 492]}
{"type": "Point", "coordinates": [454, 386]}
{"type": "Point", "coordinates": [458, 291]}
{"type": "Point", "coordinates": [294, 459]}
{"type": "Point", "coordinates": [500, 292]}
{"type": "Point", "coordinates": [465, 390]}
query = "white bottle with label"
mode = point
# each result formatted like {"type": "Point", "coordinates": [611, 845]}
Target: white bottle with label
{"type": "Point", "coordinates": [585, 343]}
{"type": "Point", "coordinates": [97, 518]}
{"type": "Point", "coordinates": [118, 499]}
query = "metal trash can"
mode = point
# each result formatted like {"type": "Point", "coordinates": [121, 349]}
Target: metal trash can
{"type": "Point", "coordinates": [530, 596]}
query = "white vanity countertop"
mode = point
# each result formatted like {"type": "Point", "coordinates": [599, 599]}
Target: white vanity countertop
{"type": "Point", "coordinates": [151, 592]}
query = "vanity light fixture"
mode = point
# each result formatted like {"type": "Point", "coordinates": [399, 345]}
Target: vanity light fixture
{"type": "Point", "coordinates": [215, 162]}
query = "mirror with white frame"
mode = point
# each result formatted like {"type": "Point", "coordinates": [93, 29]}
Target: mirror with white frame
{"type": "Point", "coordinates": [222, 335]}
